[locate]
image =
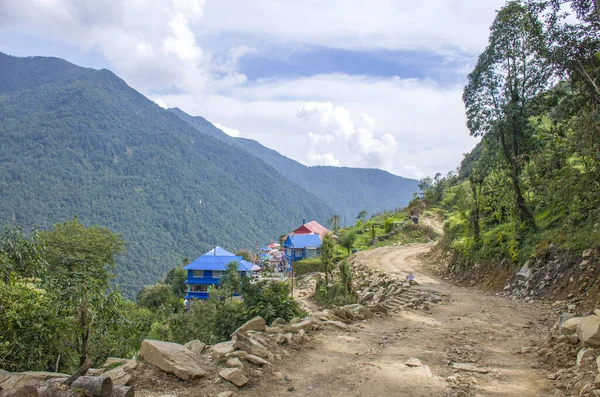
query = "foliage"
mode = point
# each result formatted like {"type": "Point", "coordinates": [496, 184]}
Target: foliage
{"type": "Point", "coordinates": [270, 300]}
{"type": "Point", "coordinates": [347, 240]}
{"type": "Point", "coordinates": [332, 295]}
{"type": "Point", "coordinates": [307, 265]}
{"type": "Point", "coordinates": [362, 215]}
{"type": "Point", "coordinates": [327, 252]}
{"type": "Point", "coordinates": [158, 296]}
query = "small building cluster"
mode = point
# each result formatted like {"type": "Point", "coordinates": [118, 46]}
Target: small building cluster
{"type": "Point", "coordinates": [206, 272]}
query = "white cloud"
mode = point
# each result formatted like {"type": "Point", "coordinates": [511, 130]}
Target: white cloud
{"type": "Point", "coordinates": [229, 131]}
{"type": "Point", "coordinates": [332, 130]}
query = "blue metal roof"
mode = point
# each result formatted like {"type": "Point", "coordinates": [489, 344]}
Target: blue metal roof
{"type": "Point", "coordinates": [210, 261]}
{"type": "Point", "coordinates": [218, 251]}
{"type": "Point", "coordinates": [303, 241]}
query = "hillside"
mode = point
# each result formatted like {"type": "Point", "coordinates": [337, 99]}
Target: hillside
{"type": "Point", "coordinates": [346, 190]}
{"type": "Point", "coordinates": [81, 142]}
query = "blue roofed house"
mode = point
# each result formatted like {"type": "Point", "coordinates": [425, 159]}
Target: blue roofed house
{"type": "Point", "coordinates": [302, 246]}
{"type": "Point", "coordinates": [206, 272]}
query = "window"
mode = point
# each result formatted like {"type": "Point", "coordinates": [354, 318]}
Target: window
{"type": "Point", "coordinates": [199, 288]}
{"type": "Point", "coordinates": [199, 273]}
{"type": "Point", "coordinates": [217, 273]}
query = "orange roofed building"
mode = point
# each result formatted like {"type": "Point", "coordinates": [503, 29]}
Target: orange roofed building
{"type": "Point", "coordinates": [312, 227]}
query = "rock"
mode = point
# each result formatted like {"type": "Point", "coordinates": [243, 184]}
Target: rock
{"type": "Point", "coordinates": [122, 373]}
{"type": "Point", "coordinates": [255, 324]}
{"type": "Point", "coordinates": [280, 339]}
{"type": "Point", "coordinates": [237, 354]}
{"type": "Point", "coordinates": [524, 273]}
{"type": "Point", "coordinates": [225, 394]}
{"type": "Point", "coordinates": [279, 375]}
{"type": "Point", "coordinates": [379, 308]}
{"type": "Point", "coordinates": [220, 349]}
{"type": "Point", "coordinates": [413, 362]}
{"type": "Point", "coordinates": [582, 355]}
{"type": "Point", "coordinates": [250, 345]}
{"type": "Point", "coordinates": [569, 327]}
{"type": "Point", "coordinates": [274, 330]}
{"type": "Point", "coordinates": [306, 325]}
{"type": "Point", "coordinates": [366, 297]}
{"type": "Point", "coordinates": [172, 358]}
{"type": "Point", "coordinates": [359, 311]}
{"type": "Point", "coordinates": [256, 360]}
{"type": "Point", "coordinates": [588, 331]}
{"type": "Point", "coordinates": [234, 375]}
{"type": "Point", "coordinates": [16, 380]}
{"type": "Point", "coordinates": [235, 363]}
{"type": "Point", "coordinates": [92, 372]}
{"type": "Point", "coordinates": [278, 321]}
{"type": "Point", "coordinates": [196, 346]}
{"type": "Point", "coordinates": [587, 253]}
{"type": "Point", "coordinates": [336, 324]}
{"type": "Point", "coordinates": [294, 320]}
{"type": "Point", "coordinates": [597, 381]}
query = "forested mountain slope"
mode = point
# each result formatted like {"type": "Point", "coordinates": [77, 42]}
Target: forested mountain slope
{"type": "Point", "coordinates": [346, 190]}
{"type": "Point", "coordinates": [79, 141]}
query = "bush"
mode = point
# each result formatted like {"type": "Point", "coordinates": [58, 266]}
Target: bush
{"type": "Point", "coordinates": [333, 295]}
{"type": "Point", "coordinates": [309, 265]}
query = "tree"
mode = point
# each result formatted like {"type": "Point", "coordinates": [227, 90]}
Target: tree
{"type": "Point", "coordinates": [347, 240]}
{"type": "Point", "coordinates": [508, 76]}
{"type": "Point", "coordinates": [231, 282]}
{"type": "Point", "coordinates": [81, 263]}
{"type": "Point", "coordinates": [362, 215]}
{"type": "Point", "coordinates": [327, 251]}
{"type": "Point", "coordinates": [158, 296]}
{"type": "Point", "coordinates": [334, 222]}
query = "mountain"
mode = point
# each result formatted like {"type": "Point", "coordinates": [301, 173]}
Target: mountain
{"type": "Point", "coordinates": [78, 141]}
{"type": "Point", "coordinates": [346, 190]}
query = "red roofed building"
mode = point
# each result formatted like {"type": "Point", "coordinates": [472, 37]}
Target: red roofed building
{"type": "Point", "coordinates": [312, 227]}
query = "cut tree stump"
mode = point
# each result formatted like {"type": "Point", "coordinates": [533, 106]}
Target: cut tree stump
{"type": "Point", "coordinates": [97, 386]}
{"type": "Point", "coordinates": [122, 391]}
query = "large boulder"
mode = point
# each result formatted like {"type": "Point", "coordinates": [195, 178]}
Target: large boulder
{"type": "Point", "coordinates": [196, 346]}
{"type": "Point", "coordinates": [234, 375]}
{"type": "Point", "coordinates": [255, 324]}
{"type": "Point", "coordinates": [569, 327]}
{"type": "Point", "coordinates": [588, 331]}
{"type": "Point", "coordinates": [172, 358]}
{"type": "Point", "coordinates": [120, 370]}
{"type": "Point", "coordinates": [250, 345]}
{"type": "Point", "coordinates": [20, 379]}
{"type": "Point", "coordinates": [221, 349]}
{"type": "Point", "coordinates": [306, 325]}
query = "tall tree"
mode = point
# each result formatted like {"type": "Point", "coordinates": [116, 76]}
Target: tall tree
{"type": "Point", "coordinates": [81, 263]}
{"type": "Point", "coordinates": [508, 76]}
{"type": "Point", "coordinates": [327, 251]}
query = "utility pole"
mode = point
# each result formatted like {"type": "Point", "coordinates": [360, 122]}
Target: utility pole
{"type": "Point", "coordinates": [292, 271]}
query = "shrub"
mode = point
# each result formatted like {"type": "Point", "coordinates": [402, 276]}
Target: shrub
{"type": "Point", "coordinates": [307, 266]}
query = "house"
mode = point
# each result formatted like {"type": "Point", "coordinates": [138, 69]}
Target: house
{"type": "Point", "coordinates": [206, 272]}
{"type": "Point", "coordinates": [302, 246]}
{"type": "Point", "coordinates": [312, 227]}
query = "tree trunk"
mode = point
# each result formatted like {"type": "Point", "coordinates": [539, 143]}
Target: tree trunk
{"type": "Point", "coordinates": [27, 391]}
{"type": "Point", "coordinates": [525, 215]}
{"type": "Point", "coordinates": [97, 386]}
{"type": "Point", "coordinates": [475, 216]}
{"type": "Point", "coordinates": [123, 391]}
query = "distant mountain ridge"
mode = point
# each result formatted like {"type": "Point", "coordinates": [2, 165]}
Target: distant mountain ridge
{"type": "Point", "coordinates": [346, 190]}
{"type": "Point", "coordinates": [79, 141]}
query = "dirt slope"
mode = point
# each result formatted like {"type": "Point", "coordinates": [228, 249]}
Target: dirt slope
{"type": "Point", "coordinates": [471, 327]}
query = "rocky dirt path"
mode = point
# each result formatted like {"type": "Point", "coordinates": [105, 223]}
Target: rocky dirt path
{"type": "Point", "coordinates": [491, 333]}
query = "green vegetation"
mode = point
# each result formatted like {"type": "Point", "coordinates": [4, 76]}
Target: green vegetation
{"type": "Point", "coordinates": [80, 141]}
{"type": "Point", "coordinates": [54, 306]}
{"type": "Point", "coordinates": [533, 182]}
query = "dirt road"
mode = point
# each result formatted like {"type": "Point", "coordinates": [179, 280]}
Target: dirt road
{"type": "Point", "coordinates": [474, 327]}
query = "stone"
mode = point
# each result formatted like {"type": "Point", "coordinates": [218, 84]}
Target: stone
{"type": "Point", "coordinates": [597, 381]}
{"type": "Point", "coordinates": [336, 324]}
{"type": "Point", "coordinates": [413, 362]}
{"type": "Point", "coordinates": [278, 321]}
{"type": "Point", "coordinates": [379, 308]}
{"type": "Point", "coordinates": [582, 355]}
{"type": "Point", "coordinates": [280, 339]}
{"type": "Point", "coordinates": [255, 324]}
{"type": "Point", "coordinates": [120, 375]}
{"type": "Point", "coordinates": [294, 320]}
{"type": "Point", "coordinates": [235, 363]}
{"type": "Point", "coordinates": [250, 345]}
{"type": "Point", "coordinates": [256, 360]}
{"type": "Point", "coordinates": [279, 375]}
{"type": "Point", "coordinates": [569, 327]}
{"type": "Point", "coordinates": [524, 273]}
{"type": "Point", "coordinates": [588, 331]}
{"type": "Point", "coordinates": [225, 394]}
{"type": "Point", "coordinates": [238, 353]}
{"type": "Point", "coordinates": [306, 325]}
{"type": "Point", "coordinates": [197, 347]}
{"type": "Point", "coordinates": [172, 358]}
{"type": "Point", "coordinates": [366, 297]}
{"type": "Point", "coordinates": [234, 375]}
{"type": "Point", "coordinates": [15, 380]}
{"type": "Point", "coordinates": [220, 349]}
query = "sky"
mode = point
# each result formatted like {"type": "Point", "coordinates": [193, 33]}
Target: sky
{"type": "Point", "coordinates": [373, 84]}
